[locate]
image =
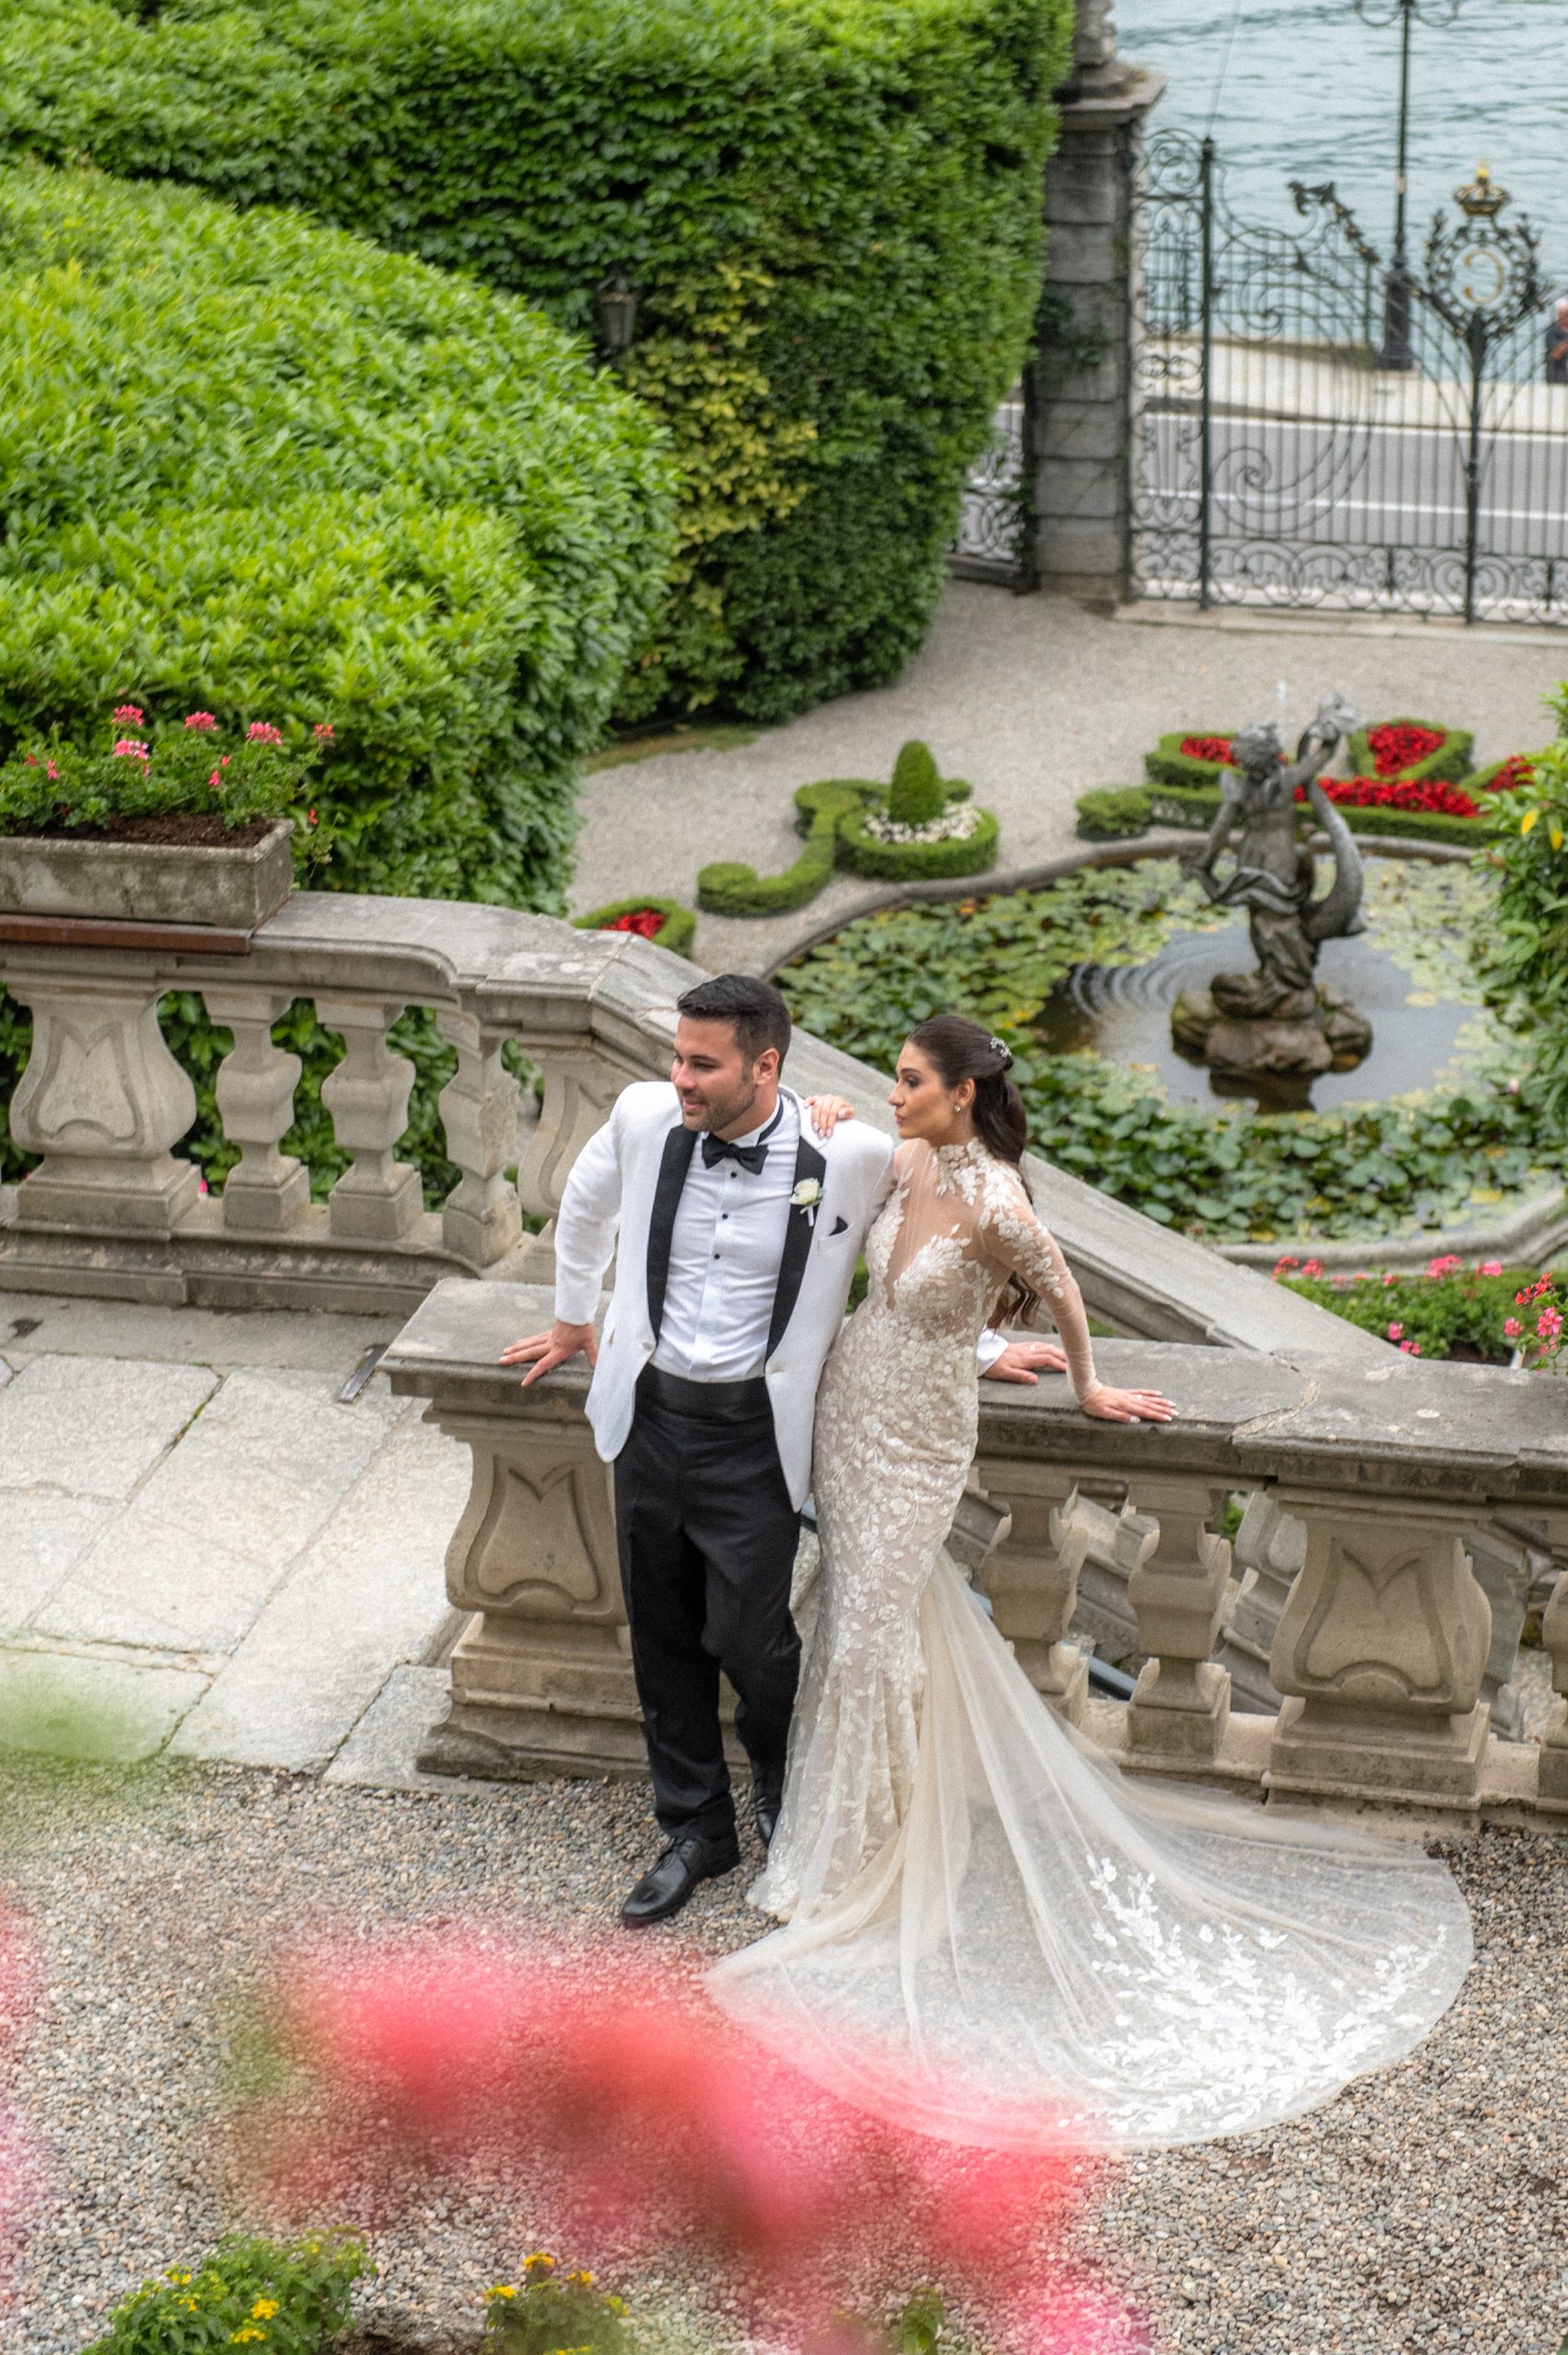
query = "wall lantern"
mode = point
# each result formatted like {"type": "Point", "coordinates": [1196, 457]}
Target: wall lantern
{"type": "Point", "coordinates": [616, 304]}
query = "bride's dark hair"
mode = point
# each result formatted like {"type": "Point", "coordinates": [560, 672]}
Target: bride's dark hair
{"type": "Point", "coordinates": [957, 1049]}
{"type": "Point", "coordinates": [961, 1050]}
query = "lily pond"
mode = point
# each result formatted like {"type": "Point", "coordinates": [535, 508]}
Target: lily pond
{"type": "Point", "coordinates": [1080, 976]}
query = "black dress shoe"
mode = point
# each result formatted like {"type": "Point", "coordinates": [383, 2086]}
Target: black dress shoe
{"type": "Point", "coordinates": [687, 1861]}
{"type": "Point", "coordinates": [767, 1798]}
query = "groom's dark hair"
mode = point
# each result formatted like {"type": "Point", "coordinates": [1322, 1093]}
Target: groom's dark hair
{"type": "Point", "coordinates": [755, 1010]}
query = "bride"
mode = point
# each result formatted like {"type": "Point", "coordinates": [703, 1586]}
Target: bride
{"type": "Point", "coordinates": [989, 1932]}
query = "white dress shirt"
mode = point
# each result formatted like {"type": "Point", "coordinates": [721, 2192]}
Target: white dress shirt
{"type": "Point", "coordinates": [724, 1251]}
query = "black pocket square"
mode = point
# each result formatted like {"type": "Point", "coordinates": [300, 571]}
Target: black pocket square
{"type": "Point", "coordinates": [840, 1226]}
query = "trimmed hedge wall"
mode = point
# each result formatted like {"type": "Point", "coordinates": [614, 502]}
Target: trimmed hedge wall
{"type": "Point", "coordinates": [267, 469]}
{"type": "Point", "coordinates": [829, 208]}
{"type": "Point", "coordinates": [727, 888]}
{"type": "Point", "coordinates": [1449, 765]}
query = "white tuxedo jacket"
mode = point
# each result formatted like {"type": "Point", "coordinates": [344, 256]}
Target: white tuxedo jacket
{"type": "Point", "coordinates": [620, 1202]}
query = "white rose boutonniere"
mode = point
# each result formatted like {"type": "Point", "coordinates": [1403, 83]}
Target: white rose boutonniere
{"type": "Point", "coordinates": [806, 1197]}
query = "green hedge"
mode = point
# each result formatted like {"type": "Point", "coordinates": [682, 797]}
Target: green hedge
{"type": "Point", "coordinates": [267, 469]}
{"type": "Point", "coordinates": [729, 888]}
{"type": "Point", "coordinates": [970, 854]}
{"type": "Point", "coordinates": [1449, 765]}
{"type": "Point", "coordinates": [678, 931]}
{"type": "Point", "coordinates": [1168, 764]}
{"type": "Point", "coordinates": [829, 208]}
{"type": "Point", "coordinates": [1116, 813]}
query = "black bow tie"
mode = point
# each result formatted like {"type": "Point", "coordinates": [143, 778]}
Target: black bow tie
{"type": "Point", "coordinates": [750, 1157]}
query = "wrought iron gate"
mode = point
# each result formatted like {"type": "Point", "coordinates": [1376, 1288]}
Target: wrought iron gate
{"type": "Point", "coordinates": [1275, 462]}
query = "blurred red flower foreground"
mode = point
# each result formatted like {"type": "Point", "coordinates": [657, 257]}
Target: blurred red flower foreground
{"type": "Point", "coordinates": [17, 2173]}
{"type": "Point", "coordinates": [625, 2116]}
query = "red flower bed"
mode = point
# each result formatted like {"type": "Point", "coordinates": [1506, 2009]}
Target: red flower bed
{"type": "Point", "coordinates": [1512, 775]}
{"type": "Point", "coordinates": [1394, 749]}
{"type": "Point", "coordinates": [1396, 793]}
{"type": "Point", "coordinates": [646, 923]}
{"type": "Point", "coordinates": [1206, 748]}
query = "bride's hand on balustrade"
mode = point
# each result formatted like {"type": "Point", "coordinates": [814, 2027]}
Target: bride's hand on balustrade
{"type": "Point", "coordinates": [1108, 1405]}
{"type": "Point", "coordinates": [826, 1111]}
{"type": "Point", "coordinates": [542, 1353]}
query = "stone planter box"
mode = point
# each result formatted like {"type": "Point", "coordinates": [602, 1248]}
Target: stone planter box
{"type": "Point", "coordinates": [231, 888]}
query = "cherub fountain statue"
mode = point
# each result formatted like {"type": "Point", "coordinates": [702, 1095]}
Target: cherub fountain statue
{"type": "Point", "coordinates": [1277, 1023]}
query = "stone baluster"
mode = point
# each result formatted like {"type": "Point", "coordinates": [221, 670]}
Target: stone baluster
{"type": "Point", "coordinates": [1554, 1740]}
{"type": "Point", "coordinates": [378, 1198]}
{"type": "Point", "coordinates": [579, 1090]}
{"type": "Point", "coordinates": [480, 1219]}
{"type": "Point", "coordinates": [1032, 1581]}
{"type": "Point", "coordinates": [267, 1191]}
{"type": "Point", "coordinates": [1380, 1651]}
{"type": "Point", "coordinates": [1177, 1573]}
{"type": "Point", "coordinates": [1270, 1547]}
{"type": "Point", "coordinates": [104, 1101]}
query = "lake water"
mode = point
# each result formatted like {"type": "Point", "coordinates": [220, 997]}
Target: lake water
{"type": "Point", "coordinates": [1303, 89]}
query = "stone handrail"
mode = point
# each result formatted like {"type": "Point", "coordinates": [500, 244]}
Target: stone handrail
{"type": "Point", "coordinates": [112, 1209]}
{"type": "Point", "coordinates": [1381, 1648]}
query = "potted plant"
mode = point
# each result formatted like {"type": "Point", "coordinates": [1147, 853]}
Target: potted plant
{"type": "Point", "coordinates": [185, 823]}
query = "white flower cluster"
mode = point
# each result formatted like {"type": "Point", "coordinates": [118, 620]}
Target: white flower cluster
{"type": "Point", "coordinates": [955, 825]}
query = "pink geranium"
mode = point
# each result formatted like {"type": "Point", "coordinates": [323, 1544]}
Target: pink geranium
{"type": "Point", "coordinates": [1491, 1267]}
{"type": "Point", "coordinates": [131, 711]}
{"type": "Point", "coordinates": [130, 748]}
{"type": "Point", "coordinates": [632, 2118]}
{"type": "Point", "coordinates": [1512, 1326]}
{"type": "Point", "coordinates": [261, 731]}
{"type": "Point", "coordinates": [1395, 1331]}
{"type": "Point", "coordinates": [201, 720]}
{"type": "Point", "coordinates": [324, 731]}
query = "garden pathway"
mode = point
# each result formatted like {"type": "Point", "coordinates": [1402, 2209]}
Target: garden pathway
{"type": "Point", "coordinates": [201, 1548]}
{"type": "Point", "coordinates": [1034, 701]}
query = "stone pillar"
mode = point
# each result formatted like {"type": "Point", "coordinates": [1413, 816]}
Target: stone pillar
{"type": "Point", "coordinates": [103, 1100]}
{"type": "Point", "coordinates": [1032, 1580]}
{"type": "Point", "coordinates": [1084, 371]}
{"type": "Point", "coordinates": [579, 1093]}
{"type": "Point", "coordinates": [1381, 1649]}
{"type": "Point", "coordinates": [542, 1680]}
{"type": "Point", "coordinates": [378, 1198]}
{"type": "Point", "coordinates": [1177, 1575]}
{"type": "Point", "coordinates": [266, 1191]}
{"type": "Point", "coordinates": [1554, 1741]}
{"type": "Point", "coordinates": [480, 1219]}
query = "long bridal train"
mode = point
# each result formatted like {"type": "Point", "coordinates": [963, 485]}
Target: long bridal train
{"type": "Point", "coordinates": [1046, 1946]}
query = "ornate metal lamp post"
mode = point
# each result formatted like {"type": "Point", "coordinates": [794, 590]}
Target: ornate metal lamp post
{"type": "Point", "coordinates": [1396, 351]}
{"type": "Point", "coordinates": [1482, 281]}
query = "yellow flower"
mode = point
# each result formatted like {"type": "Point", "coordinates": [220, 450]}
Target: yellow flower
{"type": "Point", "coordinates": [264, 2310]}
{"type": "Point", "coordinates": [1528, 821]}
{"type": "Point", "coordinates": [583, 2278]}
{"type": "Point", "coordinates": [501, 2289]}
{"type": "Point", "coordinates": [1556, 833]}
{"type": "Point", "coordinates": [541, 2257]}
{"type": "Point", "coordinates": [179, 2280]}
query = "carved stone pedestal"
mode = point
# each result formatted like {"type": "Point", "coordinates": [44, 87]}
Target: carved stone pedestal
{"type": "Point", "coordinates": [1332, 1037]}
{"type": "Point", "coordinates": [103, 1100]}
{"type": "Point", "coordinates": [1381, 1649]}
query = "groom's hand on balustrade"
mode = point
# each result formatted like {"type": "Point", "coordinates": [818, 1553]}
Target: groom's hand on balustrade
{"type": "Point", "coordinates": [1025, 1362]}
{"type": "Point", "coordinates": [542, 1353]}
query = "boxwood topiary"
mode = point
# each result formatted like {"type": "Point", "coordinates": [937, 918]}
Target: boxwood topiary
{"type": "Point", "coordinates": [820, 203]}
{"type": "Point", "coordinates": [730, 888]}
{"type": "Point", "coordinates": [969, 854]}
{"type": "Point", "coordinates": [678, 931]}
{"type": "Point", "coordinates": [1112, 813]}
{"type": "Point", "coordinates": [253, 465]}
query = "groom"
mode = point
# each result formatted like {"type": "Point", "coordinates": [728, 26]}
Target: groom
{"type": "Point", "coordinates": [735, 1233]}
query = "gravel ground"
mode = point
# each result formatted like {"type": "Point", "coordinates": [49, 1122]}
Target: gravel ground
{"type": "Point", "coordinates": [1424, 2210]}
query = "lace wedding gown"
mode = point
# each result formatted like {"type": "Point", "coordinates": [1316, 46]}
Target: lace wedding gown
{"type": "Point", "coordinates": [992, 1934]}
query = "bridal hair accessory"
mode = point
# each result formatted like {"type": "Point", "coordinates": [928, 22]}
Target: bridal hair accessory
{"type": "Point", "coordinates": [999, 1047]}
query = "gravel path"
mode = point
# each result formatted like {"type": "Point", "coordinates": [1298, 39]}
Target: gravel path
{"type": "Point", "coordinates": [1426, 2209]}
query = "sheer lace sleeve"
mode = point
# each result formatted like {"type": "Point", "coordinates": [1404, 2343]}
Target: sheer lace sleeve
{"type": "Point", "coordinates": [1013, 1239]}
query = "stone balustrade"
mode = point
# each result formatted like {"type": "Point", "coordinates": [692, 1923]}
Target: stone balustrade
{"type": "Point", "coordinates": [112, 1208]}
{"type": "Point", "coordinates": [1374, 1475]}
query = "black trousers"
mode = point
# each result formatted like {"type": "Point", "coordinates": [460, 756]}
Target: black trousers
{"type": "Point", "coordinates": [707, 1536]}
